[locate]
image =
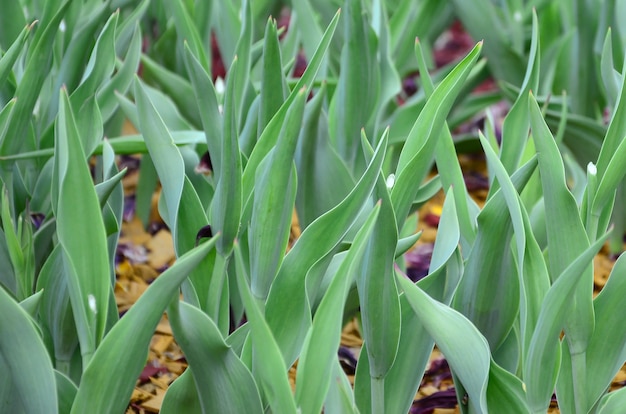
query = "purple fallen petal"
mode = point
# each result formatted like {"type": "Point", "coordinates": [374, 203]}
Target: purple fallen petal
{"type": "Point", "coordinates": [37, 219]}
{"type": "Point", "coordinates": [439, 399]}
{"type": "Point", "coordinates": [476, 181]}
{"type": "Point", "coordinates": [129, 208]}
{"type": "Point", "coordinates": [418, 261]}
{"type": "Point", "coordinates": [347, 360]}
{"type": "Point", "coordinates": [132, 252]}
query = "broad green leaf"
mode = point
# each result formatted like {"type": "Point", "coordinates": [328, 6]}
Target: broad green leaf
{"type": "Point", "coordinates": [447, 163]}
{"type": "Point", "coordinates": [227, 202]}
{"type": "Point", "coordinates": [543, 358]}
{"type": "Point", "coordinates": [268, 138]}
{"type": "Point", "coordinates": [80, 45]}
{"type": "Point", "coordinates": [66, 392]}
{"type": "Point", "coordinates": [489, 293]}
{"type": "Point", "coordinates": [609, 77]}
{"type": "Point", "coordinates": [243, 91]}
{"type": "Point", "coordinates": [272, 208]}
{"type": "Point", "coordinates": [126, 28]}
{"type": "Point", "coordinates": [163, 104]}
{"type": "Point", "coordinates": [358, 68]}
{"type": "Point", "coordinates": [268, 363]}
{"type": "Point", "coordinates": [414, 161]}
{"type": "Point", "coordinates": [390, 84]}
{"type": "Point", "coordinates": [288, 309]}
{"type": "Point", "coordinates": [37, 65]}
{"type": "Point", "coordinates": [562, 214]}
{"type": "Point", "coordinates": [24, 280]}
{"type": "Point", "coordinates": [122, 363]}
{"type": "Point", "coordinates": [505, 392]}
{"type": "Point", "coordinates": [206, 98]}
{"type": "Point", "coordinates": [466, 350]}
{"type": "Point", "coordinates": [8, 58]}
{"type": "Point", "coordinates": [415, 346]}
{"type": "Point", "coordinates": [340, 397]}
{"type": "Point", "coordinates": [607, 349]}
{"type": "Point", "coordinates": [25, 358]}
{"type": "Point", "coordinates": [516, 123]}
{"type": "Point", "coordinates": [31, 304]}
{"type": "Point", "coordinates": [612, 402]}
{"type": "Point", "coordinates": [175, 86]}
{"type": "Point", "coordinates": [323, 177]}
{"type": "Point", "coordinates": [100, 66]}
{"type": "Point", "coordinates": [272, 82]}
{"type": "Point", "coordinates": [56, 312]}
{"type": "Point", "coordinates": [378, 293]}
{"type": "Point", "coordinates": [227, 386]}
{"type": "Point", "coordinates": [106, 188]}
{"type": "Point", "coordinates": [79, 219]}
{"type": "Point", "coordinates": [320, 346]}
{"type": "Point", "coordinates": [165, 156]}
{"type": "Point", "coordinates": [122, 79]}
{"type": "Point", "coordinates": [12, 20]}
{"type": "Point", "coordinates": [188, 31]}
{"type": "Point", "coordinates": [182, 393]}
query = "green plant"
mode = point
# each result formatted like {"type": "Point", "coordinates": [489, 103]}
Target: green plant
{"type": "Point", "coordinates": [504, 281]}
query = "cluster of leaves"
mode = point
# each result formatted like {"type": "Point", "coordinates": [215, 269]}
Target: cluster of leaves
{"type": "Point", "coordinates": [504, 283]}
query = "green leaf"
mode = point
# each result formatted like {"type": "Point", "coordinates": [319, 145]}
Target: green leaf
{"type": "Point", "coordinates": [228, 386]}
{"type": "Point", "coordinates": [188, 31]}
{"type": "Point", "coordinates": [56, 312]}
{"type": "Point", "coordinates": [176, 87]}
{"type": "Point", "coordinates": [415, 346]}
{"type": "Point", "coordinates": [418, 150]}
{"type": "Point", "coordinates": [268, 362]}
{"type": "Point", "coordinates": [66, 392]}
{"type": "Point", "coordinates": [320, 346]}
{"type": "Point", "coordinates": [607, 350]}
{"type": "Point", "coordinates": [206, 98]}
{"type": "Point", "coordinates": [562, 214]}
{"type": "Point", "coordinates": [79, 218]}
{"type": "Point", "coordinates": [359, 68]}
{"type": "Point", "coordinates": [287, 309]}
{"type": "Point", "coordinates": [101, 64]}
{"type": "Point", "coordinates": [272, 82]}
{"type": "Point", "coordinates": [447, 163]}
{"type": "Point", "coordinates": [37, 69]}
{"type": "Point", "coordinates": [516, 123]}
{"type": "Point", "coordinates": [543, 355]}
{"type": "Point", "coordinates": [268, 138]}
{"type": "Point", "coordinates": [122, 363]}
{"type": "Point", "coordinates": [12, 21]}
{"type": "Point", "coordinates": [466, 350]}
{"type": "Point", "coordinates": [323, 177]}
{"type": "Point", "coordinates": [182, 393]}
{"type": "Point", "coordinates": [612, 402]}
{"type": "Point", "coordinates": [272, 208]}
{"type": "Point", "coordinates": [228, 198]}
{"type": "Point", "coordinates": [166, 157]}
{"type": "Point", "coordinates": [378, 294]}
{"type": "Point", "coordinates": [27, 364]}
{"type": "Point", "coordinates": [8, 59]}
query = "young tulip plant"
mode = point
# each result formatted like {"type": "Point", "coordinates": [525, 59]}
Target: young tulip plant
{"type": "Point", "coordinates": [508, 298]}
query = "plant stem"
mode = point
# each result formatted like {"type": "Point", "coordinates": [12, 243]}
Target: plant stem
{"type": "Point", "coordinates": [579, 376]}
{"type": "Point", "coordinates": [378, 395]}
